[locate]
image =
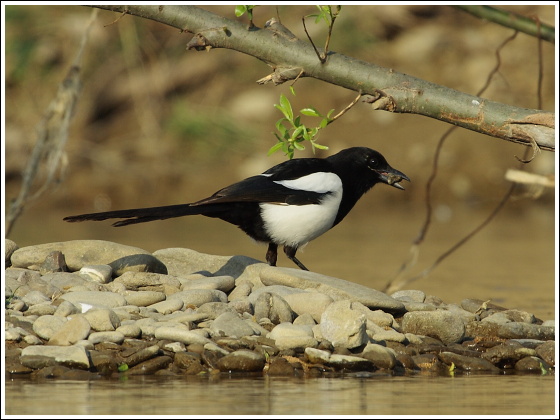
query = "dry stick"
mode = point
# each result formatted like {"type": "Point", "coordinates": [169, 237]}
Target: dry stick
{"type": "Point", "coordinates": [399, 281]}
{"type": "Point", "coordinates": [52, 134]}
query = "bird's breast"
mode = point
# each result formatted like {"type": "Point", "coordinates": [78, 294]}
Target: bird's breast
{"type": "Point", "coordinates": [296, 225]}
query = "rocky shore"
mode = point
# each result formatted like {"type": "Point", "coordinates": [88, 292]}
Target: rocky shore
{"type": "Point", "coordinates": [95, 309]}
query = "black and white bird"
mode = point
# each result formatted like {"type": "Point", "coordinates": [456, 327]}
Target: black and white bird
{"type": "Point", "coordinates": [290, 204]}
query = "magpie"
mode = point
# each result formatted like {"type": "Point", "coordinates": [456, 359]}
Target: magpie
{"type": "Point", "coordinates": [289, 204]}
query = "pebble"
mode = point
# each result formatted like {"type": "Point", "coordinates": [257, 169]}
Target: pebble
{"type": "Point", "coordinates": [123, 311]}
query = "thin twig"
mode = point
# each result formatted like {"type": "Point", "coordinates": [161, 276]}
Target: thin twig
{"type": "Point", "coordinates": [345, 110]}
{"type": "Point", "coordinates": [321, 58]}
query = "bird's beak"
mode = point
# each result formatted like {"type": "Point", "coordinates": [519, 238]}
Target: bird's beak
{"type": "Point", "coordinates": [393, 177]}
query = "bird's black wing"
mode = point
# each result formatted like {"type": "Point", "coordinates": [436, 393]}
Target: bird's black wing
{"type": "Point", "coordinates": [262, 189]}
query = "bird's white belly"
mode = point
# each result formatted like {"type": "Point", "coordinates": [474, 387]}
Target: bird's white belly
{"type": "Point", "coordinates": [297, 225]}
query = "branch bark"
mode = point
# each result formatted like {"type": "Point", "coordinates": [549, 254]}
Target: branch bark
{"type": "Point", "coordinates": [384, 88]}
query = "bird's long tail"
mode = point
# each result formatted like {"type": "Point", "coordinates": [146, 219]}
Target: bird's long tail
{"type": "Point", "coordinates": [148, 214]}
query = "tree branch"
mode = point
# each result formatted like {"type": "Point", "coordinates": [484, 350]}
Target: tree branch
{"type": "Point", "coordinates": [385, 89]}
{"type": "Point", "coordinates": [511, 20]}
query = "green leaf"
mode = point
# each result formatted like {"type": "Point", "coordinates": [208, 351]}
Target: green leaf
{"type": "Point", "coordinates": [240, 10]}
{"type": "Point", "coordinates": [312, 112]}
{"type": "Point", "coordinates": [287, 107]}
{"type": "Point", "coordinates": [276, 147]}
{"type": "Point", "coordinates": [122, 367]}
{"type": "Point", "coordinates": [293, 90]}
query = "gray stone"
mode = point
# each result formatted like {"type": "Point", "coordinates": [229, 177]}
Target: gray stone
{"type": "Point", "coordinates": [10, 248]}
{"type": "Point", "coordinates": [66, 308]}
{"type": "Point", "coordinates": [223, 283]}
{"type": "Point", "coordinates": [102, 319]}
{"type": "Point", "coordinates": [149, 282]}
{"type": "Point", "coordinates": [467, 363]}
{"type": "Point", "coordinates": [440, 324]}
{"type": "Point", "coordinates": [34, 297]}
{"type": "Point", "coordinates": [69, 282]}
{"type": "Point", "coordinates": [185, 337]}
{"type": "Point", "coordinates": [85, 300]}
{"type": "Point", "coordinates": [338, 361]}
{"type": "Point", "coordinates": [198, 297]}
{"type": "Point", "coordinates": [78, 253]}
{"type": "Point", "coordinates": [77, 328]}
{"type": "Point", "coordinates": [381, 356]}
{"type": "Point", "coordinates": [242, 361]}
{"type": "Point", "coordinates": [143, 298]}
{"type": "Point", "coordinates": [296, 337]}
{"type": "Point", "coordinates": [273, 307]}
{"type": "Point", "coordinates": [335, 288]}
{"type": "Point", "coordinates": [100, 273]}
{"type": "Point", "coordinates": [343, 326]}
{"type": "Point", "coordinates": [130, 330]}
{"type": "Point", "coordinates": [312, 303]}
{"type": "Point", "coordinates": [168, 306]}
{"type": "Point", "coordinates": [106, 336]}
{"type": "Point", "coordinates": [180, 261]}
{"type": "Point", "coordinates": [137, 263]}
{"type": "Point", "coordinates": [41, 309]}
{"type": "Point", "coordinates": [241, 291]}
{"type": "Point", "coordinates": [231, 325]}
{"type": "Point", "coordinates": [37, 357]}
{"type": "Point", "coordinates": [409, 296]}
{"type": "Point", "coordinates": [45, 326]}
{"type": "Point", "coordinates": [214, 309]}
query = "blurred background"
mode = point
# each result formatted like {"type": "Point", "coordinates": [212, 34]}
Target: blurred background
{"type": "Point", "coordinates": [157, 125]}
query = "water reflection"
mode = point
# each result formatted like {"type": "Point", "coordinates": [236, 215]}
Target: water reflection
{"type": "Point", "coordinates": [378, 395]}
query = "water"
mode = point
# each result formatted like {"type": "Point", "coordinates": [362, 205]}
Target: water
{"type": "Point", "coordinates": [382, 395]}
{"type": "Point", "coordinates": [512, 262]}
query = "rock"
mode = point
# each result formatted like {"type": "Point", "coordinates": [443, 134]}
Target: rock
{"type": "Point", "coordinates": [180, 261]}
{"type": "Point", "coordinates": [130, 330]}
{"type": "Point", "coordinates": [230, 324]}
{"type": "Point", "coordinates": [223, 283]}
{"type": "Point", "coordinates": [143, 298]}
{"type": "Point", "coordinates": [312, 303]}
{"type": "Point", "coordinates": [546, 351]}
{"type": "Point", "coordinates": [185, 337]}
{"type": "Point", "coordinates": [100, 273]}
{"type": "Point", "coordinates": [149, 367]}
{"type": "Point", "coordinates": [198, 297]}
{"type": "Point", "coordinates": [102, 319]}
{"type": "Point", "coordinates": [168, 306]}
{"type": "Point", "coordinates": [77, 253]}
{"type": "Point", "coordinates": [137, 263]}
{"type": "Point", "coordinates": [47, 325]}
{"type": "Point", "coordinates": [106, 336]}
{"type": "Point", "coordinates": [66, 308]}
{"type": "Point", "coordinates": [343, 326]}
{"type": "Point", "coordinates": [85, 300]}
{"type": "Point", "coordinates": [241, 361]}
{"type": "Point", "coordinates": [54, 263]}
{"type": "Point", "coordinates": [295, 337]}
{"type": "Point", "coordinates": [10, 248]}
{"type": "Point", "coordinates": [382, 357]}
{"type": "Point", "coordinates": [471, 364]}
{"type": "Point", "coordinates": [273, 307]}
{"type": "Point", "coordinates": [532, 364]}
{"type": "Point", "coordinates": [440, 324]}
{"type": "Point", "coordinates": [409, 296]}
{"type": "Point", "coordinates": [338, 361]}
{"type": "Point", "coordinates": [77, 328]}
{"type": "Point", "coordinates": [337, 289]}
{"type": "Point", "coordinates": [37, 357]}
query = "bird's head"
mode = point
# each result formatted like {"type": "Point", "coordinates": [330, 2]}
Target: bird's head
{"type": "Point", "coordinates": [383, 171]}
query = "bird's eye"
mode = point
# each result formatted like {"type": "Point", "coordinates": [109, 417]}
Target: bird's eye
{"type": "Point", "coordinates": [373, 162]}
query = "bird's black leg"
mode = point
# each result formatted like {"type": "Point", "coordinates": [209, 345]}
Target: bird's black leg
{"type": "Point", "coordinates": [291, 253]}
{"type": "Point", "coordinates": [272, 254]}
